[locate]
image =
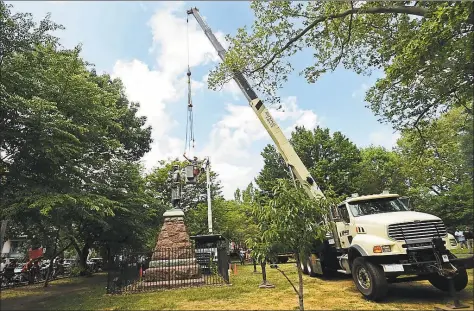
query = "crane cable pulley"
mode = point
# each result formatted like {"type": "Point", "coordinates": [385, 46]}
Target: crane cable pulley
{"type": "Point", "coordinates": [189, 120]}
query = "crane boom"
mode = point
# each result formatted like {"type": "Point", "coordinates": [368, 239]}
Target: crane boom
{"type": "Point", "coordinates": [296, 166]}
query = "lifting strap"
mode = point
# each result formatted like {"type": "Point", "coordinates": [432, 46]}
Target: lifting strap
{"type": "Point", "coordinates": [189, 142]}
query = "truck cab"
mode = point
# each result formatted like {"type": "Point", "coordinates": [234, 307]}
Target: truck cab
{"type": "Point", "coordinates": [378, 239]}
{"type": "Point", "coordinates": [383, 225]}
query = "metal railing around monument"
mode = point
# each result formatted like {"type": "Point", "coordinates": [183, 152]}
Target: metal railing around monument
{"type": "Point", "coordinates": [167, 268]}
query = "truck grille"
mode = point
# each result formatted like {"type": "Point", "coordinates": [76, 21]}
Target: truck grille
{"type": "Point", "coordinates": [417, 230]}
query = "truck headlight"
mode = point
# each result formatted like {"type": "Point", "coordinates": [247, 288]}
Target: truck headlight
{"type": "Point", "coordinates": [386, 248]}
{"type": "Point", "coordinates": [382, 249]}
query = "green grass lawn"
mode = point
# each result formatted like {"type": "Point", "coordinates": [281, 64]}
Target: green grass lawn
{"type": "Point", "coordinates": [461, 252]}
{"type": "Point", "coordinates": [243, 294]}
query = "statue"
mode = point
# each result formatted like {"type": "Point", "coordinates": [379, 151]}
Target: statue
{"type": "Point", "coordinates": [176, 188]}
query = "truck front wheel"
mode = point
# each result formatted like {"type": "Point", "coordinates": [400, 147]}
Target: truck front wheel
{"type": "Point", "coordinates": [441, 282]}
{"type": "Point", "coordinates": [369, 279]}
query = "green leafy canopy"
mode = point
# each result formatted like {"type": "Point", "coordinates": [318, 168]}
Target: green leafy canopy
{"type": "Point", "coordinates": [423, 47]}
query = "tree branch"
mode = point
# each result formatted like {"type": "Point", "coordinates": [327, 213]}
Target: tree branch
{"type": "Point", "coordinates": [422, 114]}
{"type": "Point", "coordinates": [62, 249]}
{"type": "Point", "coordinates": [418, 11]}
{"type": "Point", "coordinates": [346, 42]}
{"type": "Point", "coordinates": [282, 272]}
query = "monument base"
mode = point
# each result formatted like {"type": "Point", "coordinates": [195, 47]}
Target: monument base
{"type": "Point", "coordinates": [142, 285]}
{"type": "Point", "coordinates": [173, 259]}
{"type": "Point", "coordinates": [173, 236]}
{"type": "Point", "coordinates": [172, 270]}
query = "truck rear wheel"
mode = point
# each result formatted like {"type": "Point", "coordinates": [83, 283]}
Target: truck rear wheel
{"type": "Point", "coordinates": [441, 282]}
{"type": "Point", "coordinates": [369, 279]}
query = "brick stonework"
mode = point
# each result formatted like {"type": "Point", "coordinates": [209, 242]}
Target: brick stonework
{"type": "Point", "coordinates": [173, 235]}
{"type": "Point", "coordinates": [173, 243]}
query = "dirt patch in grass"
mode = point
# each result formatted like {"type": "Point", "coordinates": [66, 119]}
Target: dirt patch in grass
{"type": "Point", "coordinates": [243, 294]}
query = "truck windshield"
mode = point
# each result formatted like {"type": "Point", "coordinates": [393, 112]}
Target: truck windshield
{"type": "Point", "coordinates": [376, 206]}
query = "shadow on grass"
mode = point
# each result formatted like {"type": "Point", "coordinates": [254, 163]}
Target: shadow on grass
{"type": "Point", "coordinates": [420, 293]}
{"type": "Point", "coordinates": [36, 296]}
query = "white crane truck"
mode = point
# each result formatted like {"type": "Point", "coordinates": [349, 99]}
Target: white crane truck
{"type": "Point", "coordinates": [376, 238]}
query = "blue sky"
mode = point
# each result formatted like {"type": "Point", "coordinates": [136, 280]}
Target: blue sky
{"type": "Point", "coordinates": [144, 43]}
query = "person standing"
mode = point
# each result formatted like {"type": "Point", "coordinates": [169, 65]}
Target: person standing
{"type": "Point", "coordinates": [242, 256]}
{"type": "Point", "coordinates": [461, 239]}
{"type": "Point", "coordinates": [469, 236]}
{"type": "Point", "coordinates": [195, 163]}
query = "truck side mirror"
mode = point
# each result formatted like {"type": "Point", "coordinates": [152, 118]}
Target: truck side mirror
{"type": "Point", "coordinates": [343, 214]}
{"type": "Point", "coordinates": [335, 214]}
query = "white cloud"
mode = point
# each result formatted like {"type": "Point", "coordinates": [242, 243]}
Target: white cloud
{"type": "Point", "coordinates": [155, 89]}
{"type": "Point", "coordinates": [170, 40]}
{"type": "Point", "coordinates": [384, 138]}
{"type": "Point", "coordinates": [141, 86]}
{"type": "Point", "coordinates": [232, 138]}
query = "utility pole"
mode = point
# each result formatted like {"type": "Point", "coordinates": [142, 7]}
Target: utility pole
{"type": "Point", "coordinates": [208, 182]}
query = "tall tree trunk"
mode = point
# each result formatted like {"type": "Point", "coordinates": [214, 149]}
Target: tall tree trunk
{"type": "Point", "coordinates": [83, 256]}
{"type": "Point", "coordinates": [300, 281]}
{"type": "Point", "coordinates": [48, 274]}
{"type": "Point", "coordinates": [264, 272]}
{"type": "Point", "coordinates": [50, 268]}
{"type": "Point", "coordinates": [265, 283]}
{"type": "Point", "coordinates": [76, 246]}
{"type": "Point", "coordinates": [109, 257]}
{"type": "Point", "coordinates": [3, 230]}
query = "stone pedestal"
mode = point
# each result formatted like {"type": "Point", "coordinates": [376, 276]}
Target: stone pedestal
{"type": "Point", "coordinates": [173, 258]}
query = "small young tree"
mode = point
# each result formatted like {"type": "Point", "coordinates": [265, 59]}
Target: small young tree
{"type": "Point", "coordinates": [261, 251]}
{"type": "Point", "coordinates": [292, 218]}
{"type": "Point", "coordinates": [251, 199]}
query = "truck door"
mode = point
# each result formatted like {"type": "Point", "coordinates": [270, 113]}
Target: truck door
{"type": "Point", "coordinates": [343, 227]}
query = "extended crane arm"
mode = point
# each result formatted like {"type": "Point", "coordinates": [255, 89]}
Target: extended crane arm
{"type": "Point", "coordinates": [296, 166]}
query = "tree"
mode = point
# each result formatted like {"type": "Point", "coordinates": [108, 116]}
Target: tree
{"type": "Point", "coordinates": [159, 186]}
{"type": "Point", "coordinates": [331, 159]}
{"type": "Point", "coordinates": [435, 164]}
{"type": "Point", "coordinates": [293, 219]}
{"type": "Point", "coordinates": [64, 133]}
{"type": "Point", "coordinates": [262, 249]}
{"type": "Point", "coordinates": [19, 33]}
{"type": "Point", "coordinates": [274, 167]}
{"type": "Point", "coordinates": [133, 225]}
{"type": "Point", "coordinates": [229, 218]}
{"type": "Point", "coordinates": [380, 170]}
{"type": "Point", "coordinates": [423, 47]}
